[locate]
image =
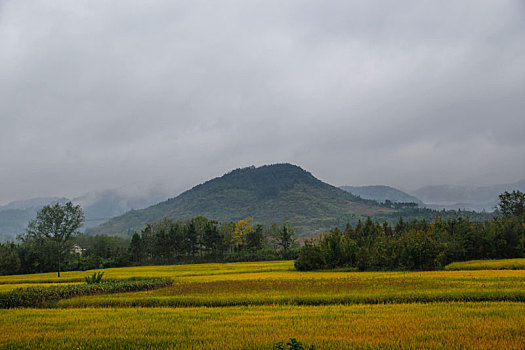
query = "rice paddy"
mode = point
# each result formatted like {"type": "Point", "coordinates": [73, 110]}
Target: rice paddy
{"type": "Point", "coordinates": [254, 305]}
{"type": "Point", "coordinates": [500, 264]}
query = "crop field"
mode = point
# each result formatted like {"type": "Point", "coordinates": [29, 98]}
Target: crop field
{"type": "Point", "coordinates": [254, 305]}
{"type": "Point", "coordinates": [501, 264]}
{"type": "Point", "coordinates": [11, 286]}
{"type": "Point", "coordinates": [440, 325]}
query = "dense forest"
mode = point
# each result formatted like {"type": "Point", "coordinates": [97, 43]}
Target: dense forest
{"type": "Point", "coordinates": [420, 245]}
{"type": "Point", "coordinates": [162, 242]}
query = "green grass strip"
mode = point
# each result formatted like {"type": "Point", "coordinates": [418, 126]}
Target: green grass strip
{"type": "Point", "coordinates": [409, 298]}
{"type": "Point", "coordinates": [41, 297]}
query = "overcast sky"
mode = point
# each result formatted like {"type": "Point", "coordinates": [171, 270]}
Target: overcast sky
{"type": "Point", "coordinates": [105, 94]}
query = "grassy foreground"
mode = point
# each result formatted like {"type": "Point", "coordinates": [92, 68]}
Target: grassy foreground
{"type": "Point", "coordinates": [254, 305]}
{"type": "Point", "coordinates": [440, 325]}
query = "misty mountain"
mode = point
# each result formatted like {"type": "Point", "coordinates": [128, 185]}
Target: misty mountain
{"type": "Point", "coordinates": [465, 197]}
{"type": "Point", "coordinates": [98, 206]}
{"type": "Point", "coordinates": [15, 215]}
{"type": "Point", "coordinates": [32, 203]}
{"type": "Point", "coordinates": [381, 193]}
{"type": "Point", "coordinates": [101, 206]}
{"type": "Point", "coordinates": [271, 193]}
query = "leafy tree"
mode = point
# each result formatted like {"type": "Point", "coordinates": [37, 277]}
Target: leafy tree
{"type": "Point", "coordinates": [36, 255]}
{"type": "Point", "coordinates": [9, 260]}
{"type": "Point", "coordinates": [191, 239]}
{"type": "Point", "coordinates": [255, 239]}
{"type": "Point", "coordinates": [511, 204]}
{"type": "Point", "coordinates": [284, 236]}
{"type": "Point", "coordinates": [135, 248]}
{"type": "Point", "coordinates": [226, 230]}
{"type": "Point", "coordinates": [211, 238]}
{"type": "Point", "coordinates": [420, 251]}
{"type": "Point", "coordinates": [310, 257]}
{"type": "Point", "coordinates": [242, 229]}
{"type": "Point", "coordinates": [332, 249]}
{"type": "Point", "coordinates": [56, 224]}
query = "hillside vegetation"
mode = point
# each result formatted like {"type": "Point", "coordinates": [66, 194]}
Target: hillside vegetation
{"type": "Point", "coordinates": [272, 193]}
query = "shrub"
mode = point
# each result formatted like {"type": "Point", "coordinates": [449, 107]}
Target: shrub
{"type": "Point", "coordinates": [310, 257]}
{"type": "Point", "coordinates": [95, 278]}
{"type": "Point", "coordinates": [48, 296]}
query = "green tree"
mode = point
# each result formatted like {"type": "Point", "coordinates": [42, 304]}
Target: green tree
{"type": "Point", "coordinates": [242, 229]}
{"type": "Point", "coordinates": [332, 249]}
{"type": "Point", "coordinates": [284, 236]}
{"type": "Point", "coordinates": [255, 238]}
{"type": "Point", "coordinates": [211, 238]}
{"type": "Point", "coordinates": [135, 248]}
{"type": "Point", "coordinates": [310, 257]}
{"type": "Point", "coordinates": [56, 224]}
{"type": "Point", "coordinates": [418, 250]}
{"type": "Point", "coordinates": [9, 260]}
{"type": "Point", "coordinates": [511, 204]}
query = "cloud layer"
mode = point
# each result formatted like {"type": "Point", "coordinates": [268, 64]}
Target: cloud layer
{"type": "Point", "coordinates": [98, 94]}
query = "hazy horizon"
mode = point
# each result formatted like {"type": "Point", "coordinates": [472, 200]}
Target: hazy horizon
{"type": "Point", "coordinates": [97, 95]}
{"type": "Point", "coordinates": [139, 190]}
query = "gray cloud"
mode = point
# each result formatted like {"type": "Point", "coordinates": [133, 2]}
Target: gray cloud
{"type": "Point", "coordinates": [97, 94]}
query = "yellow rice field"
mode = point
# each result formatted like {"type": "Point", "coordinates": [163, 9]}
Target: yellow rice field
{"type": "Point", "coordinates": [254, 305]}
{"type": "Point", "coordinates": [500, 264]}
{"type": "Point", "coordinates": [172, 271]}
{"type": "Point", "coordinates": [439, 325]}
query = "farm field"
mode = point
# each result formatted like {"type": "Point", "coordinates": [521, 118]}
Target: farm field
{"type": "Point", "coordinates": [439, 325]}
{"type": "Point", "coordinates": [254, 305]}
{"type": "Point", "coordinates": [501, 264]}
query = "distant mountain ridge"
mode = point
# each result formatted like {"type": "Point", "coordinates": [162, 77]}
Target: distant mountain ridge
{"type": "Point", "coordinates": [15, 215]}
{"type": "Point", "coordinates": [382, 193]}
{"type": "Point", "coordinates": [32, 203]}
{"type": "Point", "coordinates": [465, 197]}
{"type": "Point", "coordinates": [98, 206]}
{"type": "Point", "coordinates": [270, 193]}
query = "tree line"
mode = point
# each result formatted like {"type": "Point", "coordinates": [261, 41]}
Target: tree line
{"type": "Point", "coordinates": [203, 240]}
{"type": "Point", "coordinates": [52, 243]}
{"type": "Point", "coordinates": [420, 245]}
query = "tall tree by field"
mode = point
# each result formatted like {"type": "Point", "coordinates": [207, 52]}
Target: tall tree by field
{"type": "Point", "coordinates": [56, 224]}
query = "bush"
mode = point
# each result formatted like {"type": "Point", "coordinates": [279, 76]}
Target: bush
{"type": "Point", "coordinates": [48, 296]}
{"type": "Point", "coordinates": [310, 257]}
{"type": "Point", "coordinates": [95, 278]}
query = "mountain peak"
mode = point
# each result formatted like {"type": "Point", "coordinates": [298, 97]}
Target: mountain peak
{"type": "Point", "coordinates": [265, 181]}
{"type": "Point", "coordinates": [280, 171]}
{"type": "Point", "coordinates": [269, 193]}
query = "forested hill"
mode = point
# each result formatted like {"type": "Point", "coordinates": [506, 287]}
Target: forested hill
{"type": "Point", "coordinates": [271, 193]}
